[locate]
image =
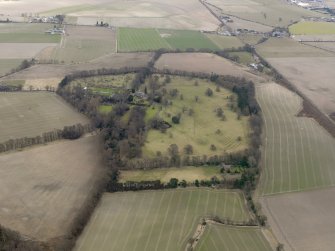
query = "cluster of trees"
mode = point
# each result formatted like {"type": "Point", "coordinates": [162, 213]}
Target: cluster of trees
{"type": "Point", "coordinates": [69, 132]}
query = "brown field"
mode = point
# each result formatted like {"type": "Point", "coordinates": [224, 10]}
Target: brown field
{"type": "Point", "coordinates": [22, 50]}
{"type": "Point", "coordinates": [329, 46]}
{"type": "Point", "coordinates": [41, 84]}
{"type": "Point", "coordinates": [44, 187]}
{"type": "Point", "coordinates": [59, 71]}
{"type": "Point", "coordinates": [316, 84]}
{"type": "Point", "coordinates": [29, 114]}
{"type": "Point", "coordinates": [316, 38]}
{"type": "Point", "coordinates": [203, 62]}
{"type": "Point", "coordinates": [286, 47]}
{"type": "Point", "coordinates": [303, 221]}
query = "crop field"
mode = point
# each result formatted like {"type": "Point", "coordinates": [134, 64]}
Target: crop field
{"type": "Point", "coordinates": [239, 23]}
{"type": "Point", "coordinates": [189, 174]}
{"type": "Point", "coordinates": [316, 84]}
{"type": "Point", "coordinates": [227, 238]}
{"type": "Point", "coordinates": [184, 39]}
{"type": "Point", "coordinates": [329, 46]}
{"type": "Point", "coordinates": [203, 62]}
{"type": "Point", "coordinates": [250, 39]}
{"type": "Point", "coordinates": [156, 220]}
{"type": "Point", "coordinates": [304, 220]}
{"type": "Point", "coordinates": [225, 42]}
{"type": "Point", "coordinates": [114, 61]}
{"type": "Point", "coordinates": [268, 12]}
{"type": "Point", "coordinates": [22, 50]}
{"type": "Point", "coordinates": [286, 48]}
{"type": "Point", "coordinates": [133, 39]}
{"type": "Point", "coordinates": [298, 154]}
{"type": "Point", "coordinates": [312, 28]}
{"type": "Point", "coordinates": [42, 195]}
{"type": "Point", "coordinates": [27, 33]}
{"type": "Point", "coordinates": [25, 114]}
{"type": "Point", "coordinates": [195, 129]}
{"type": "Point", "coordinates": [6, 65]}
{"type": "Point", "coordinates": [84, 43]}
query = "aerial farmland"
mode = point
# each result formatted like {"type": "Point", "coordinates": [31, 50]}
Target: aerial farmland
{"type": "Point", "coordinates": [196, 125]}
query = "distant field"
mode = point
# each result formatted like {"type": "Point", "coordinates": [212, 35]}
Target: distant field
{"type": "Point", "coordinates": [302, 221]}
{"type": "Point", "coordinates": [184, 39]}
{"type": "Point", "coordinates": [134, 39]}
{"type": "Point", "coordinates": [268, 12]}
{"type": "Point", "coordinates": [250, 39]}
{"type": "Point", "coordinates": [156, 220]}
{"type": "Point", "coordinates": [27, 33]}
{"type": "Point", "coordinates": [285, 48]}
{"type": "Point", "coordinates": [312, 28]}
{"type": "Point", "coordinates": [6, 65]}
{"type": "Point", "coordinates": [317, 85]}
{"type": "Point", "coordinates": [244, 57]}
{"type": "Point", "coordinates": [22, 50]}
{"type": "Point", "coordinates": [239, 23]}
{"type": "Point", "coordinates": [190, 174]}
{"type": "Point", "coordinates": [43, 188]}
{"type": "Point", "coordinates": [330, 46]}
{"type": "Point", "coordinates": [203, 62]}
{"type": "Point", "coordinates": [84, 43]}
{"type": "Point", "coordinates": [25, 114]}
{"type": "Point", "coordinates": [199, 129]}
{"type": "Point", "coordinates": [225, 42]}
{"type": "Point", "coordinates": [298, 153]}
{"type": "Point", "coordinates": [226, 238]}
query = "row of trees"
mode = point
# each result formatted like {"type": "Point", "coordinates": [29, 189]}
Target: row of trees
{"type": "Point", "coordinates": [68, 132]}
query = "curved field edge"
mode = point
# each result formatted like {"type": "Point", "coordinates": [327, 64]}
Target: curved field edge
{"type": "Point", "coordinates": [298, 154]}
{"type": "Point", "coordinates": [152, 220]}
{"type": "Point", "coordinates": [230, 238]}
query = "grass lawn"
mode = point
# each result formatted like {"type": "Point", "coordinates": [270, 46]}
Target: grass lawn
{"type": "Point", "coordinates": [227, 238]}
{"type": "Point", "coordinates": [225, 42]}
{"type": "Point", "coordinates": [185, 39]}
{"type": "Point", "coordinates": [156, 220]}
{"type": "Point", "coordinates": [204, 127]}
{"type": "Point", "coordinates": [190, 174]}
{"type": "Point", "coordinates": [133, 39]}
{"type": "Point", "coordinates": [312, 28]}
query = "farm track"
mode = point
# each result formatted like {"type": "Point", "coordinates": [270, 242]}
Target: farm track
{"type": "Point", "coordinates": [298, 153]}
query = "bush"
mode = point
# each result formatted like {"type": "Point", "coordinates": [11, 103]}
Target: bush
{"type": "Point", "coordinates": [176, 119]}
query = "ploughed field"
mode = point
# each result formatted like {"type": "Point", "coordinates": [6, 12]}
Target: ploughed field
{"type": "Point", "coordinates": [44, 187]}
{"type": "Point", "coordinates": [298, 154]}
{"type": "Point", "coordinates": [156, 220]}
{"type": "Point", "coordinates": [30, 114]}
{"type": "Point", "coordinates": [227, 238]}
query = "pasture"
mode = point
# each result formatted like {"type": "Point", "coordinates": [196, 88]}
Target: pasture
{"type": "Point", "coordinates": [304, 220]}
{"type": "Point", "coordinates": [298, 154]}
{"type": "Point", "coordinates": [134, 39]}
{"type": "Point", "coordinates": [185, 39]}
{"type": "Point", "coordinates": [288, 48]}
{"type": "Point", "coordinates": [203, 128]}
{"type": "Point", "coordinates": [312, 28]}
{"type": "Point", "coordinates": [227, 238]}
{"type": "Point", "coordinates": [316, 84]}
{"type": "Point", "coordinates": [44, 188]}
{"type": "Point", "coordinates": [156, 220]}
{"type": "Point", "coordinates": [189, 174]}
{"type": "Point", "coordinates": [6, 65]}
{"type": "Point", "coordinates": [203, 62]}
{"type": "Point", "coordinates": [28, 114]}
{"type": "Point", "coordinates": [84, 43]}
{"type": "Point", "coordinates": [225, 42]}
{"type": "Point", "coordinates": [268, 12]}
{"type": "Point", "coordinates": [27, 33]}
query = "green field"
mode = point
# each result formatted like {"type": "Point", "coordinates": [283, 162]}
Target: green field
{"type": "Point", "coordinates": [189, 174]}
{"type": "Point", "coordinates": [201, 129]}
{"type": "Point", "coordinates": [298, 153]}
{"type": "Point", "coordinates": [185, 39]}
{"type": "Point", "coordinates": [105, 108]}
{"type": "Point", "coordinates": [226, 238]}
{"type": "Point", "coordinates": [27, 33]}
{"type": "Point", "coordinates": [156, 220]}
{"type": "Point", "coordinates": [312, 28]}
{"type": "Point", "coordinates": [133, 39]}
{"type": "Point", "coordinates": [225, 42]}
{"type": "Point", "coordinates": [6, 65]}
{"type": "Point", "coordinates": [243, 57]}
{"type": "Point", "coordinates": [29, 114]}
